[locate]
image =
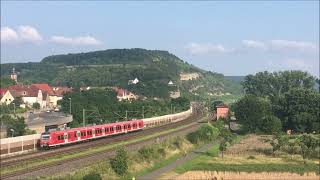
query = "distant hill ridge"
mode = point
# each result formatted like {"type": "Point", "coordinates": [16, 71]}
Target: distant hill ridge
{"type": "Point", "coordinates": [115, 67]}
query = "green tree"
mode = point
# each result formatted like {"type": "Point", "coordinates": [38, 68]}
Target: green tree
{"type": "Point", "coordinates": [6, 82]}
{"type": "Point", "coordinates": [15, 123]}
{"type": "Point", "coordinates": [265, 84]}
{"type": "Point", "coordinates": [120, 162]}
{"type": "Point", "coordinates": [300, 110]}
{"type": "Point", "coordinates": [17, 101]}
{"type": "Point", "coordinates": [250, 111]}
{"type": "Point", "coordinates": [36, 105]}
{"type": "Point", "coordinates": [223, 146]}
{"type": "Point", "coordinates": [270, 124]}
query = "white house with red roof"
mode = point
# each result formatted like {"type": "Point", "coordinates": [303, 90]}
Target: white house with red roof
{"type": "Point", "coordinates": [5, 96]}
{"type": "Point", "coordinates": [123, 94]}
{"type": "Point", "coordinates": [40, 93]}
{"type": "Point", "coordinates": [29, 94]}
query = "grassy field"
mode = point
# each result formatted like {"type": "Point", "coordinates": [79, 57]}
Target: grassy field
{"type": "Point", "coordinates": [243, 157]}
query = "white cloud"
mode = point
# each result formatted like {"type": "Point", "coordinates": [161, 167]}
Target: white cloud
{"type": "Point", "coordinates": [76, 41]}
{"type": "Point", "coordinates": [206, 48]}
{"type": "Point", "coordinates": [292, 45]}
{"type": "Point", "coordinates": [28, 33]}
{"type": "Point", "coordinates": [254, 44]}
{"type": "Point", "coordinates": [8, 34]}
{"type": "Point", "coordinates": [281, 45]}
{"type": "Point", "coordinates": [23, 34]}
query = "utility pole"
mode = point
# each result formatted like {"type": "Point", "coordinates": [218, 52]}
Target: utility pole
{"type": "Point", "coordinates": [170, 108]}
{"type": "Point", "coordinates": [70, 105]}
{"type": "Point", "coordinates": [126, 114]}
{"type": "Point", "coordinates": [83, 117]}
{"type": "Point", "coordinates": [142, 112]}
{"type": "Point", "coordinates": [14, 108]}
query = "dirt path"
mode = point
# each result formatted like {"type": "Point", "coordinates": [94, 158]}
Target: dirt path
{"type": "Point", "coordinates": [157, 173]}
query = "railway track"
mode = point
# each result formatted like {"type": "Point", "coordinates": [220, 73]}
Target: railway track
{"type": "Point", "coordinates": [82, 147]}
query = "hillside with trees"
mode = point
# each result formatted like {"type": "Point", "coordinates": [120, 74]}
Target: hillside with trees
{"type": "Point", "coordinates": [115, 67]}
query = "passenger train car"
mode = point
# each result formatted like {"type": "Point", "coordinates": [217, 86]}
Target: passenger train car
{"type": "Point", "coordinates": [68, 136]}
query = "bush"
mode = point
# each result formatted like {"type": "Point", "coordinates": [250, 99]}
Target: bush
{"type": "Point", "coordinates": [178, 142]}
{"type": "Point", "coordinates": [120, 162]}
{"type": "Point", "coordinates": [206, 133]}
{"type": "Point", "coordinates": [162, 152]}
{"type": "Point", "coordinates": [270, 125]}
{"type": "Point", "coordinates": [193, 137]}
{"type": "Point", "coordinates": [92, 176]}
{"type": "Point", "coordinates": [146, 153]}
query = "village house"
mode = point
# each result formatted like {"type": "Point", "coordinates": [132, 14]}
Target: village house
{"type": "Point", "coordinates": [42, 93]}
{"type": "Point", "coordinates": [5, 96]}
{"type": "Point", "coordinates": [29, 95]}
{"type": "Point", "coordinates": [123, 94]}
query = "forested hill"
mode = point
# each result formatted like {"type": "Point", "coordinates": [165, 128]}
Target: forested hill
{"type": "Point", "coordinates": [115, 67]}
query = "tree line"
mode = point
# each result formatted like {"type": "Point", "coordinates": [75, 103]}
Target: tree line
{"type": "Point", "coordinates": [279, 101]}
{"type": "Point", "coordinates": [102, 106]}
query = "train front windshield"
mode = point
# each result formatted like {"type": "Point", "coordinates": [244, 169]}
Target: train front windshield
{"type": "Point", "coordinates": [45, 136]}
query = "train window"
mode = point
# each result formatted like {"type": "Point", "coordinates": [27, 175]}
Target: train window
{"type": "Point", "coordinates": [124, 126]}
{"type": "Point", "coordinates": [107, 130]}
{"type": "Point", "coordinates": [83, 133]}
{"type": "Point", "coordinates": [89, 132]}
{"type": "Point", "coordinates": [134, 125]}
{"type": "Point", "coordinates": [60, 137]}
{"type": "Point", "coordinates": [129, 126]}
{"type": "Point", "coordinates": [75, 134]}
{"type": "Point", "coordinates": [140, 124]}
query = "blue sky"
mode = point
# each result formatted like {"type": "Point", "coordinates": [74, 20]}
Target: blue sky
{"type": "Point", "coordinates": [233, 38]}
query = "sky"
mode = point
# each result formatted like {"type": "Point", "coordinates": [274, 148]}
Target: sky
{"type": "Point", "coordinates": [233, 38]}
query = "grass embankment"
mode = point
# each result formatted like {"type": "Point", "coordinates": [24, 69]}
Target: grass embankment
{"type": "Point", "coordinates": [34, 163]}
{"type": "Point", "coordinates": [248, 162]}
{"type": "Point", "coordinates": [140, 163]}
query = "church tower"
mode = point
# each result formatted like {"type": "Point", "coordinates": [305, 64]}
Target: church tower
{"type": "Point", "coordinates": [13, 75]}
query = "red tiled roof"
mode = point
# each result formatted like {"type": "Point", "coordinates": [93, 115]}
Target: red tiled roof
{"type": "Point", "coordinates": [44, 87]}
{"type": "Point", "coordinates": [25, 91]}
{"type": "Point", "coordinates": [2, 92]}
{"type": "Point", "coordinates": [59, 91]}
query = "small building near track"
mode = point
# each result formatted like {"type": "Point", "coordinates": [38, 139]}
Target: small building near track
{"type": "Point", "coordinates": [222, 111]}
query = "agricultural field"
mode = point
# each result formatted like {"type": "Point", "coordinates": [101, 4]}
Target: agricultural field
{"type": "Point", "coordinates": [248, 159]}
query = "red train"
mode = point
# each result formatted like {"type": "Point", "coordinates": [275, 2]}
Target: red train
{"type": "Point", "coordinates": [68, 136]}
